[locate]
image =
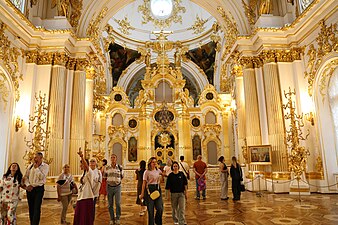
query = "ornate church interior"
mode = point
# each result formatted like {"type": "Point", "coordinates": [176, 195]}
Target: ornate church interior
{"type": "Point", "coordinates": [254, 79]}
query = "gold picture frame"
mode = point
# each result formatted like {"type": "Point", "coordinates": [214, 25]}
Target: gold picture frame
{"type": "Point", "coordinates": [260, 154]}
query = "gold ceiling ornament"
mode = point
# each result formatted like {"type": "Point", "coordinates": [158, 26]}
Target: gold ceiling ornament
{"type": "Point", "coordinates": [147, 16]}
{"type": "Point", "coordinates": [215, 37]}
{"type": "Point", "coordinates": [94, 30]}
{"type": "Point", "coordinates": [36, 125]}
{"type": "Point", "coordinates": [4, 92]}
{"type": "Point", "coordinates": [326, 42]}
{"type": "Point", "coordinates": [230, 31]}
{"type": "Point", "coordinates": [110, 39]}
{"type": "Point", "coordinates": [298, 154]}
{"type": "Point", "coordinates": [164, 139]}
{"type": "Point", "coordinates": [250, 11]}
{"type": "Point", "coordinates": [198, 27]}
{"type": "Point", "coordinates": [326, 76]}
{"type": "Point", "coordinates": [124, 25]}
{"type": "Point", "coordinates": [9, 55]}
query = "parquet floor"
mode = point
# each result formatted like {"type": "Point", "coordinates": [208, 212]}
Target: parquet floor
{"type": "Point", "coordinates": [250, 210]}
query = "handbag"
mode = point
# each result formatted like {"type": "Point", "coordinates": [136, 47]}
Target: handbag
{"type": "Point", "coordinates": [154, 195]}
{"type": "Point", "coordinates": [201, 184]}
{"type": "Point", "coordinates": [242, 187]}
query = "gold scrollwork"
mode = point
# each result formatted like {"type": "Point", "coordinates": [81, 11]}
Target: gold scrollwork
{"type": "Point", "coordinates": [94, 32]}
{"type": "Point", "coordinates": [9, 55]}
{"type": "Point", "coordinates": [326, 75]}
{"type": "Point", "coordinates": [198, 26]}
{"type": "Point", "coordinates": [124, 25]}
{"type": "Point", "coordinates": [231, 31]}
{"type": "Point", "coordinates": [40, 141]}
{"type": "Point", "coordinates": [327, 42]}
{"type": "Point", "coordinates": [298, 154]}
{"type": "Point", "coordinates": [4, 92]}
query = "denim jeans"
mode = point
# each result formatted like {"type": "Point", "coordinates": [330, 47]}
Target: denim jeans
{"type": "Point", "coordinates": [197, 191]}
{"type": "Point", "coordinates": [178, 207]}
{"type": "Point", "coordinates": [155, 204]}
{"type": "Point", "coordinates": [114, 192]}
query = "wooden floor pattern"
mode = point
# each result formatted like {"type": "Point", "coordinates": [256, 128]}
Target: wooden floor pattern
{"type": "Point", "coordinates": [250, 210]}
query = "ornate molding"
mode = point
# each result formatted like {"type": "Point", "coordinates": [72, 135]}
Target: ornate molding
{"type": "Point", "coordinates": [94, 32]}
{"type": "Point", "coordinates": [60, 58]}
{"type": "Point", "coordinates": [326, 42]}
{"type": "Point", "coordinates": [124, 25]}
{"type": "Point", "coordinates": [326, 76]}
{"type": "Point", "coordinates": [9, 55]}
{"type": "Point", "coordinates": [4, 92]}
{"type": "Point", "coordinates": [81, 64]}
{"type": "Point", "coordinates": [230, 31]}
{"type": "Point", "coordinates": [249, 10]}
{"type": "Point", "coordinates": [198, 26]}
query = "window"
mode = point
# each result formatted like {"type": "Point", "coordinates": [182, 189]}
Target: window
{"type": "Point", "coordinates": [333, 100]}
{"type": "Point", "coordinates": [19, 4]}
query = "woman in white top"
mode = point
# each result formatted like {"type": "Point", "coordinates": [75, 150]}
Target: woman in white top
{"type": "Point", "coordinates": [166, 172]}
{"type": "Point", "coordinates": [151, 182]}
{"type": "Point", "coordinates": [9, 190]}
{"type": "Point", "coordinates": [65, 183]}
{"type": "Point", "coordinates": [84, 210]}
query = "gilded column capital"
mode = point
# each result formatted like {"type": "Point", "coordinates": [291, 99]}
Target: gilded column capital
{"type": "Point", "coordinates": [237, 71]}
{"type": "Point", "coordinates": [71, 64]}
{"type": "Point", "coordinates": [90, 73]}
{"type": "Point", "coordinates": [81, 64]}
{"type": "Point", "coordinates": [45, 58]}
{"type": "Point", "coordinates": [31, 56]}
{"type": "Point", "coordinates": [246, 62]}
{"type": "Point", "coordinates": [289, 55]}
{"type": "Point", "coordinates": [268, 56]}
{"type": "Point", "coordinates": [60, 58]}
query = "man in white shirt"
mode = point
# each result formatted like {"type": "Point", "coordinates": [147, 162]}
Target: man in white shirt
{"type": "Point", "coordinates": [114, 176]}
{"type": "Point", "coordinates": [184, 167]}
{"type": "Point", "coordinates": [34, 180]}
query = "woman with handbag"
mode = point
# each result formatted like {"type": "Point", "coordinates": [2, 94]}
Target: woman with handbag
{"type": "Point", "coordinates": [223, 174]}
{"type": "Point", "coordinates": [177, 184]}
{"type": "Point", "coordinates": [9, 194]}
{"type": "Point", "coordinates": [151, 191]}
{"type": "Point", "coordinates": [237, 177]}
{"type": "Point", "coordinates": [65, 187]}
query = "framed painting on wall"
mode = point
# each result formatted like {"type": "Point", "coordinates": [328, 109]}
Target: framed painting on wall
{"type": "Point", "coordinates": [260, 154]}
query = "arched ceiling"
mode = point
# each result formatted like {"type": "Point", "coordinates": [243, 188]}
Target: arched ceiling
{"type": "Point", "coordinates": [118, 9]}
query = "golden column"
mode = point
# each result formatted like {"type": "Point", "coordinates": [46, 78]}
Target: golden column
{"type": "Point", "coordinates": [56, 113]}
{"type": "Point", "coordinates": [240, 108]}
{"type": "Point", "coordinates": [226, 135]}
{"type": "Point", "coordinates": [252, 125]}
{"type": "Point", "coordinates": [89, 106]}
{"type": "Point", "coordinates": [77, 137]}
{"type": "Point", "coordinates": [274, 111]}
{"type": "Point", "coordinates": [184, 137]}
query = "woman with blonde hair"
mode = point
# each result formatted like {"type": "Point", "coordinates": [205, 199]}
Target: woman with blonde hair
{"type": "Point", "coordinates": [237, 177]}
{"type": "Point", "coordinates": [166, 171]}
{"type": "Point", "coordinates": [151, 182]}
{"type": "Point", "coordinates": [64, 186]}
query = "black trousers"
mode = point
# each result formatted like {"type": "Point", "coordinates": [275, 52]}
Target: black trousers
{"type": "Point", "coordinates": [34, 198]}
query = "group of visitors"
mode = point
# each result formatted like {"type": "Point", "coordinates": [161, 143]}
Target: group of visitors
{"type": "Point", "coordinates": [106, 181]}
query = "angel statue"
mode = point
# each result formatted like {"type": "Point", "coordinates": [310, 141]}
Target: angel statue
{"type": "Point", "coordinates": [62, 6]}
{"type": "Point", "coordinates": [265, 7]}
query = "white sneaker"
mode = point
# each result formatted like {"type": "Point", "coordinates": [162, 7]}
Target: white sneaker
{"type": "Point", "coordinates": [117, 221]}
{"type": "Point", "coordinates": [111, 222]}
